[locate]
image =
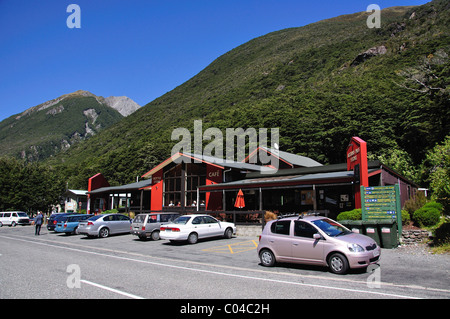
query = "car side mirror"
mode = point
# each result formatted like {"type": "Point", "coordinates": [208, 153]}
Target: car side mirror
{"type": "Point", "coordinates": [317, 236]}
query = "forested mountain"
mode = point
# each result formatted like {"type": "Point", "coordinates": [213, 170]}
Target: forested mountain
{"type": "Point", "coordinates": [46, 129]}
{"type": "Point", "coordinates": [320, 84]}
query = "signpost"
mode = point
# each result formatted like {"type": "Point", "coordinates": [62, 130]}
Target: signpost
{"type": "Point", "coordinates": [382, 202]}
{"type": "Point", "coordinates": [357, 162]}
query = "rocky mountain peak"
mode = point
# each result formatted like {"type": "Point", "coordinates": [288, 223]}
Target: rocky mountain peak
{"type": "Point", "coordinates": [124, 105]}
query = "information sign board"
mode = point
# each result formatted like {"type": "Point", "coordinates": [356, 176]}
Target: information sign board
{"type": "Point", "coordinates": [381, 202]}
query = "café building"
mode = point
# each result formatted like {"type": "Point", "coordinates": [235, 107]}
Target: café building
{"type": "Point", "coordinates": [187, 183]}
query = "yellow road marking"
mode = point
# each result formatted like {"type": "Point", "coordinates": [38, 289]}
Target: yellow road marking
{"type": "Point", "coordinates": [236, 248]}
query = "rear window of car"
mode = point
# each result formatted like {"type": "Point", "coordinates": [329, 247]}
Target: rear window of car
{"type": "Point", "coordinates": [281, 227]}
{"type": "Point", "coordinates": [139, 218]}
{"type": "Point", "coordinates": [96, 217]}
{"type": "Point", "coordinates": [182, 220]}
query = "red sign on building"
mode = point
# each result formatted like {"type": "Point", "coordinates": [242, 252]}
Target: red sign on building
{"type": "Point", "coordinates": [357, 161]}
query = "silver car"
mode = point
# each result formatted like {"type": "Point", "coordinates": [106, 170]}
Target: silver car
{"type": "Point", "coordinates": [105, 225]}
{"type": "Point", "coordinates": [316, 240]}
{"type": "Point", "coordinates": [147, 225]}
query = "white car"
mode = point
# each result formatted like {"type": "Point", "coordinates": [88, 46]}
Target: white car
{"type": "Point", "coordinates": [193, 227]}
{"type": "Point", "coordinates": [14, 218]}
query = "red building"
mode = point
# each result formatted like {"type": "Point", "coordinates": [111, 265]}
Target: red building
{"type": "Point", "coordinates": [188, 182]}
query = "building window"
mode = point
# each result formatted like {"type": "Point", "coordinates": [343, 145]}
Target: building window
{"type": "Point", "coordinates": [177, 179]}
{"type": "Point", "coordinates": [172, 187]}
{"type": "Point", "coordinates": [195, 177]}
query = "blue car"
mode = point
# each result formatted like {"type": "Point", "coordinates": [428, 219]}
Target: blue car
{"type": "Point", "coordinates": [69, 224]}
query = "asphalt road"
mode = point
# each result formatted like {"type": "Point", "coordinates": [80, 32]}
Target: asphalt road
{"type": "Point", "coordinates": [57, 266]}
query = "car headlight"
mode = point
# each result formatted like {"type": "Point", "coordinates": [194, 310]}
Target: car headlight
{"type": "Point", "coordinates": [355, 248]}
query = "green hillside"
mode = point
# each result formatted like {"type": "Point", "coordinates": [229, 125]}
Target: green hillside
{"type": "Point", "coordinates": [314, 82]}
{"type": "Point", "coordinates": [48, 128]}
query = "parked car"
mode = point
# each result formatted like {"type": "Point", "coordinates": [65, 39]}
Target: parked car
{"type": "Point", "coordinates": [54, 219]}
{"type": "Point", "coordinates": [316, 240]}
{"type": "Point", "coordinates": [69, 224]}
{"type": "Point", "coordinates": [14, 218]}
{"type": "Point", "coordinates": [193, 227]}
{"type": "Point", "coordinates": [147, 225]}
{"type": "Point", "coordinates": [105, 225]}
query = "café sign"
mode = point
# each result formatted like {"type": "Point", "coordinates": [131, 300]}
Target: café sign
{"type": "Point", "coordinates": [357, 162]}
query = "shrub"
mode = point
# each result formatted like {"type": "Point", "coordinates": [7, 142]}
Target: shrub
{"type": "Point", "coordinates": [434, 204]}
{"type": "Point", "coordinates": [355, 214]}
{"type": "Point", "coordinates": [406, 217]}
{"type": "Point", "coordinates": [416, 202]}
{"type": "Point", "coordinates": [442, 233]}
{"type": "Point", "coordinates": [110, 211]}
{"type": "Point", "coordinates": [270, 216]}
{"type": "Point", "coordinates": [426, 216]}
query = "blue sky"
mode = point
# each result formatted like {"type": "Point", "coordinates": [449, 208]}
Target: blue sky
{"type": "Point", "coordinates": [141, 49]}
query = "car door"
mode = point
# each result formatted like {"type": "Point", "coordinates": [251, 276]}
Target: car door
{"type": "Point", "coordinates": [110, 222]}
{"type": "Point", "coordinates": [279, 239]}
{"type": "Point", "coordinates": [123, 223]}
{"type": "Point", "coordinates": [305, 248]}
{"type": "Point", "coordinates": [214, 228]}
{"type": "Point", "coordinates": [200, 226]}
{"type": "Point", "coordinates": [7, 219]}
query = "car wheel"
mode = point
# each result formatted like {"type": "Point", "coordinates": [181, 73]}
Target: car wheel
{"type": "Point", "coordinates": [104, 232]}
{"type": "Point", "coordinates": [267, 258]}
{"type": "Point", "coordinates": [193, 238]}
{"type": "Point", "coordinates": [338, 263]}
{"type": "Point", "coordinates": [155, 235]}
{"type": "Point", "coordinates": [228, 233]}
{"type": "Point", "coordinates": [13, 224]}
{"type": "Point", "coordinates": [1, 224]}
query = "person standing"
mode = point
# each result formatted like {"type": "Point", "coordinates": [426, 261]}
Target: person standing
{"type": "Point", "coordinates": [38, 223]}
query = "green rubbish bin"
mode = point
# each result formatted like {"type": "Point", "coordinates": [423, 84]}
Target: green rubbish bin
{"type": "Point", "coordinates": [388, 233]}
{"type": "Point", "coordinates": [355, 226]}
{"type": "Point", "coordinates": [371, 230]}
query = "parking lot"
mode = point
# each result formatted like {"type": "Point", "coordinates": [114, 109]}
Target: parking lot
{"type": "Point", "coordinates": [59, 266]}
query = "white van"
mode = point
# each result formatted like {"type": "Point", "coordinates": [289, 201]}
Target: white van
{"type": "Point", "coordinates": [14, 218]}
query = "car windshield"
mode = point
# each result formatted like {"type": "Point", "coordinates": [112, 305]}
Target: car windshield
{"type": "Point", "coordinates": [182, 220]}
{"type": "Point", "coordinates": [22, 214]}
{"type": "Point", "coordinates": [330, 227]}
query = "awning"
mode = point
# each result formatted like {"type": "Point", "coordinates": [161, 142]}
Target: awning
{"type": "Point", "coordinates": [292, 180]}
{"type": "Point", "coordinates": [124, 188]}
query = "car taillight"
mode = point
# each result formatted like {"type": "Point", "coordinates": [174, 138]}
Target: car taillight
{"type": "Point", "coordinates": [143, 228]}
{"type": "Point", "coordinates": [90, 224]}
{"type": "Point", "coordinates": [65, 225]}
{"type": "Point", "coordinates": [169, 228]}
{"type": "Point", "coordinates": [259, 237]}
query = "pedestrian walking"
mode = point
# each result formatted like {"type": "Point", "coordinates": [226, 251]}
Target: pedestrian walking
{"type": "Point", "coordinates": [38, 223]}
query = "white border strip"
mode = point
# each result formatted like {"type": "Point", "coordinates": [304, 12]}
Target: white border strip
{"type": "Point", "coordinates": [126, 294]}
